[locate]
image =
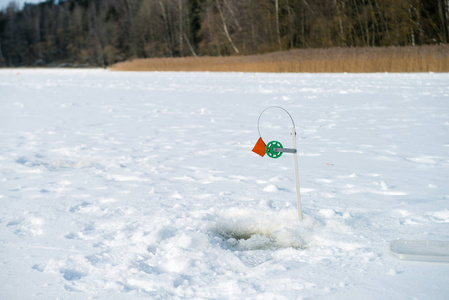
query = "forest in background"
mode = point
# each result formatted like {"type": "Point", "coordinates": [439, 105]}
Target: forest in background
{"type": "Point", "coordinates": [103, 32]}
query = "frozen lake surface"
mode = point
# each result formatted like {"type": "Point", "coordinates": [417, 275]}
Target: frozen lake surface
{"type": "Point", "coordinates": [143, 185]}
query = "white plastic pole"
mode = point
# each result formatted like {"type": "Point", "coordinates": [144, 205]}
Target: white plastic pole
{"type": "Point", "coordinates": [295, 158]}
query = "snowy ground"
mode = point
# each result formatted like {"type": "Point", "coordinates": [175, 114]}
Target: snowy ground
{"type": "Point", "coordinates": [143, 185]}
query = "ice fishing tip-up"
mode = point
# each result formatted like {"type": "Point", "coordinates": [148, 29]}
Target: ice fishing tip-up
{"type": "Point", "coordinates": [274, 149]}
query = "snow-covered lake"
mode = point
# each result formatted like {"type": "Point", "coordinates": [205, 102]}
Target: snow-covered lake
{"type": "Point", "coordinates": [143, 185]}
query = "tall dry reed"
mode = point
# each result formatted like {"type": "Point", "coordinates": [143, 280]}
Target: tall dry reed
{"type": "Point", "coordinates": [351, 60]}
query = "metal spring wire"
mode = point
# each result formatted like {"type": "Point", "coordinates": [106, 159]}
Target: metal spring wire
{"type": "Point", "coordinates": [258, 120]}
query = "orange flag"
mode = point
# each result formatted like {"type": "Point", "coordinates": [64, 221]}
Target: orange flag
{"type": "Point", "coordinates": [260, 147]}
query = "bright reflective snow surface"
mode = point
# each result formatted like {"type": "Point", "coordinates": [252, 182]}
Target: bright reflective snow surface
{"type": "Point", "coordinates": [134, 185]}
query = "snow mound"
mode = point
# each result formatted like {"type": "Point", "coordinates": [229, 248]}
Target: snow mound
{"type": "Point", "coordinates": [271, 188]}
{"type": "Point", "coordinates": [269, 230]}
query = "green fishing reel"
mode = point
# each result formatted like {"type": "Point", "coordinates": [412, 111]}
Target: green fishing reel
{"type": "Point", "coordinates": [273, 149]}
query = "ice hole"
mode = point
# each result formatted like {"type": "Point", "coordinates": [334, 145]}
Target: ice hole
{"type": "Point", "coordinates": [245, 241]}
{"type": "Point", "coordinates": [261, 233]}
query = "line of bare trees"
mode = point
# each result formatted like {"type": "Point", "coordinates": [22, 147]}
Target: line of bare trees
{"type": "Point", "coordinates": [102, 32]}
